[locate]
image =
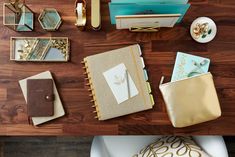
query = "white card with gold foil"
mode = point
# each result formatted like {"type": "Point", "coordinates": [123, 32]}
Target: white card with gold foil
{"type": "Point", "coordinates": [162, 20]}
{"type": "Point", "coordinates": [119, 81]}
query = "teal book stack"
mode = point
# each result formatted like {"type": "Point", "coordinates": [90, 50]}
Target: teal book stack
{"type": "Point", "coordinates": [128, 7]}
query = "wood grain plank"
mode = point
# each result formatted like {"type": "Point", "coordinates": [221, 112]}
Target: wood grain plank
{"type": "Point", "coordinates": [1, 149]}
{"type": "Point", "coordinates": [3, 94]}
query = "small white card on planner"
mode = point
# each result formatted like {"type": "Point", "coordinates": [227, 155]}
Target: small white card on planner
{"type": "Point", "coordinates": [120, 83]}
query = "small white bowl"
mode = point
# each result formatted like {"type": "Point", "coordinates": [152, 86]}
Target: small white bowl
{"type": "Point", "coordinates": [211, 25]}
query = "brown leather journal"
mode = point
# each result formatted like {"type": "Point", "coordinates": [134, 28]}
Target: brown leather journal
{"type": "Point", "coordinates": [40, 97]}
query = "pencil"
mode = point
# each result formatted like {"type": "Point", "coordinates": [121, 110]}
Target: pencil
{"type": "Point", "coordinates": [128, 85]}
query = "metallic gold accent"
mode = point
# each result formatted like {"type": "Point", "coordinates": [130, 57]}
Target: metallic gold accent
{"type": "Point", "coordinates": [27, 48]}
{"type": "Point", "coordinates": [93, 106]}
{"type": "Point", "coordinates": [53, 24]}
{"type": "Point", "coordinates": [92, 91]}
{"type": "Point", "coordinates": [172, 146]}
{"type": "Point", "coordinates": [80, 14]}
{"type": "Point", "coordinates": [95, 14]}
{"type": "Point", "coordinates": [36, 48]}
{"type": "Point", "coordinates": [144, 29]}
{"type": "Point", "coordinates": [198, 103]}
{"type": "Point", "coordinates": [17, 9]}
{"type": "Point", "coordinates": [17, 5]}
{"type": "Point", "coordinates": [61, 44]}
{"type": "Point", "coordinates": [200, 29]}
{"type": "Point", "coordinates": [45, 50]}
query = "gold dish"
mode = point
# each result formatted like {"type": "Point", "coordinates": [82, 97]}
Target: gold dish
{"type": "Point", "coordinates": [43, 49]}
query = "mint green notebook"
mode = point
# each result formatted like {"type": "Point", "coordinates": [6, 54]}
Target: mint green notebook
{"type": "Point", "coordinates": [187, 65]}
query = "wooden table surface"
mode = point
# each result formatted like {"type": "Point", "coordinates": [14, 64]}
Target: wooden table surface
{"type": "Point", "coordinates": [159, 51]}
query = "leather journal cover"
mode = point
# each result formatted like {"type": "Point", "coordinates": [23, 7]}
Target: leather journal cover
{"type": "Point", "coordinates": [109, 89]}
{"type": "Point", "coordinates": [58, 106]}
{"type": "Point", "coordinates": [40, 99]}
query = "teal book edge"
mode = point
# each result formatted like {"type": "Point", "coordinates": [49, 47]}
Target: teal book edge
{"type": "Point", "coordinates": [116, 9]}
{"type": "Point", "coordinates": [187, 65]}
{"type": "Point", "coordinates": [152, 1]}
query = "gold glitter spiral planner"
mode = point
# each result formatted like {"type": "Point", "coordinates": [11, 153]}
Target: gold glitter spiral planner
{"type": "Point", "coordinates": [118, 82]}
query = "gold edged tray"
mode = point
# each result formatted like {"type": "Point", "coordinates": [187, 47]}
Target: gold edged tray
{"type": "Point", "coordinates": [40, 49]}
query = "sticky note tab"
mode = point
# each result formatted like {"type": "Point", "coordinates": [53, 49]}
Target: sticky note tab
{"type": "Point", "coordinates": [142, 61]}
{"type": "Point", "coordinates": [152, 99]}
{"type": "Point", "coordinates": [146, 75]}
{"type": "Point", "coordinates": [148, 86]}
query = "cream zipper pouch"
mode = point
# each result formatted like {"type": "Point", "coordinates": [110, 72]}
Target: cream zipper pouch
{"type": "Point", "coordinates": [191, 101]}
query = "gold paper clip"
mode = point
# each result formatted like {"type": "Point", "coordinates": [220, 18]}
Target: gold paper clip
{"type": "Point", "coordinates": [145, 27]}
{"type": "Point", "coordinates": [80, 9]}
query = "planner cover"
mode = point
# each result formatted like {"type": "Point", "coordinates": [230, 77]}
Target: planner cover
{"type": "Point", "coordinates": [117, 9]}
{"type": "Point", "coordinates": [187, 65]}
{"type": "Point", "coordinates": [40, 97]}
{"type": "Point", "coordinates": [58, 107]}
{"type": "Point", "coordinates": [118, 82]}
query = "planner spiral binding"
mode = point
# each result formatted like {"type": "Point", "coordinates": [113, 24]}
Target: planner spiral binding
{"type": "Point", "coordinates": [90, 89]}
